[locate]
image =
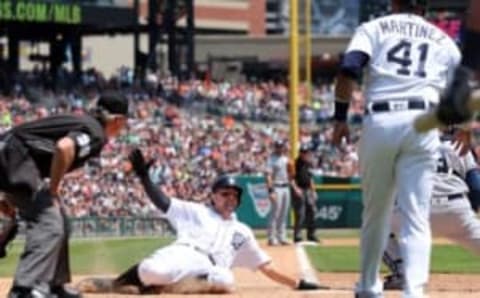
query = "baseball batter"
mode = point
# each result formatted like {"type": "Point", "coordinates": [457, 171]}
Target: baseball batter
{"type": "Point", "coordinates": [451, 215]}
{"type": "Point", "coordinates": [408, 63]}
{"type": "Point", "coordinates": [210, 241]}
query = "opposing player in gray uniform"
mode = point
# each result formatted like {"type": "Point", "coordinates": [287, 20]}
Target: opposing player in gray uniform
{"type": "Point", "coordinates": [279, 193]}
{"type": "Point", "coordinates": [451, 214]}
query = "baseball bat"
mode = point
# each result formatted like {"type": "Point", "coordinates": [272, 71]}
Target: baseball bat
{"type": "Point", "coordinates": [429, 120]}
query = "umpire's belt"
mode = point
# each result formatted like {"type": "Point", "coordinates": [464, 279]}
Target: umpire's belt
{"type": "Point", "coordinates": [200, 250]}
{"type": "Point", "coordinates": [398, 104]}
{"type": "Point", "coordinates": [445, 199]}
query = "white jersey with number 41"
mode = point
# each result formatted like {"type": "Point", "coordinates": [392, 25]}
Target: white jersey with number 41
{"type": "Point", "coordinates": [408, 57]}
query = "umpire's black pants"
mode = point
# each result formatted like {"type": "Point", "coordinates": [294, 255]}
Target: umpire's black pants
{"type": "Point", "coordinates": [45, 258]}
{"type": "Point", "coordinates": [304, 211]}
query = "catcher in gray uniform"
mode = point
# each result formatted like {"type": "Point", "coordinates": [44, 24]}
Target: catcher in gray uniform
{"type": "Point", "coordinates": [451, 216]}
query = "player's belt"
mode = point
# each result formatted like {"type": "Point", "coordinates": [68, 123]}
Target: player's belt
{"type": "Point", "coordinates": [456, 196]}
{"type": "Point", "coordinates": [446, 199]}
{"type": "Point", "coordinates": [202, 251]}
{"type": "Point", "coordinates": [400, 104]}
{"type": "Point", "coordinates": [280, 184]}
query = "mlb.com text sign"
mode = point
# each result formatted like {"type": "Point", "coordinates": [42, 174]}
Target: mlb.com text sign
{"type": "Point", "coordinates": [40, 12]}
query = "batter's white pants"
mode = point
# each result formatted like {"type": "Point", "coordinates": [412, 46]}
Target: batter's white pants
{"type": "Point", "coordinates": [175, 262]}
{"type": "Point", "coordinates": [395, 158]}
{"type": "Point", "coordinates": [454, 220]}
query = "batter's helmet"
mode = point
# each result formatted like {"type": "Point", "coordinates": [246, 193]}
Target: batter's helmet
{"type": "Point", "coordinates": [227, 181]}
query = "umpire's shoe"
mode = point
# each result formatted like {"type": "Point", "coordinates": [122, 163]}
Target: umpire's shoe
{"type": "Point", "coordinates": [43, 292]}
{"type": "Point", "coordinates": [65, 292]}
{"type": "Point", "coordinates": [393, 282]}
{"type": "Point", "coordinates": [35, 292]}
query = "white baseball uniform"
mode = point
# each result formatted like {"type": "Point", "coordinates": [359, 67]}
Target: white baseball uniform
{"type": "Point", "coordinates": [206, 245]}
{"type": "Point", "coordinates": [451, 214]}
{"type": "Point", "coordinates": [410, 63]}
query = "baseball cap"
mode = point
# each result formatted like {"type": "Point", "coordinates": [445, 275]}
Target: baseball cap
{"type": "Point", "coordinates": [113, 102]}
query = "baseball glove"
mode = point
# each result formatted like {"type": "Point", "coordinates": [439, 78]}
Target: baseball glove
{"type": "Point", "coordinates": [453, 107]}
{"type": "Point", "coordinates": [140, 166]}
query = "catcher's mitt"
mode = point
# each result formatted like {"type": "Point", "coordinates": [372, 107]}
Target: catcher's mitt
{"type": "Point", "coordinates": [453, 107]}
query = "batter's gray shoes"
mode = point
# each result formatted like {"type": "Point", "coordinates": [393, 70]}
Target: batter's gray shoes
{"type": "Point", "coordinates": [393, 282]}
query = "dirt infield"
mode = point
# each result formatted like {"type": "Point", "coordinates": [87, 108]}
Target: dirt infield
{"type": "Point", "coordinates": [252, 284]}
{"type": "Point", "coordinates": [255, 285]}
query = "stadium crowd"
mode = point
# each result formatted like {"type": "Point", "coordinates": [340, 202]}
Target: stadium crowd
{"type": "Point", "coordinates": [193, 131]}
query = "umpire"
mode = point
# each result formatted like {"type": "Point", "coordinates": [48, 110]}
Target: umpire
{"type": "Point", "coordinates": [34, 157]}
{"type": "Point", "coordinates": [304, 197]}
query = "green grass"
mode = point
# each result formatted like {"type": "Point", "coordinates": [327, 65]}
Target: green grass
{"type": "Point", "coordinates": [109, 256]}
{"type": "Point", "coordinates": [445, 259]}
{"type": "Point", "coordinates": [95, 256]}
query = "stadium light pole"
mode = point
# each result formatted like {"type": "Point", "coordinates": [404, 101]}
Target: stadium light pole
{"type": "Point", "coordinates": [293, 88]}
{"type": "Point", "coordinates": [308, 51]}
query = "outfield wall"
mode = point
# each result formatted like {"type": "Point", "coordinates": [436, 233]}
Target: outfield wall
{"type": "Point", "coordinates": [338, 204]}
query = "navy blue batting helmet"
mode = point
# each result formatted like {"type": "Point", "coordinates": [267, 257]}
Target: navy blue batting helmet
{"type": "Point", "coordinates": [227, 181]}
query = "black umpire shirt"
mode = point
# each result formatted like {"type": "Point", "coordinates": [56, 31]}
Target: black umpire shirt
{"type": "Point", "coordinates": [303, 175]}
{"type": "Point", "coordinates": [40, 138]}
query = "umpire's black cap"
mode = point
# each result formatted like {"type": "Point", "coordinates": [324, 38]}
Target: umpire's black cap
{"type": "Point", "coordinates": [113, 102]}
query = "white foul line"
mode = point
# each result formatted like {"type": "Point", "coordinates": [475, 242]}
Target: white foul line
{"type": "Point", "coordinates": [306, 269]}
